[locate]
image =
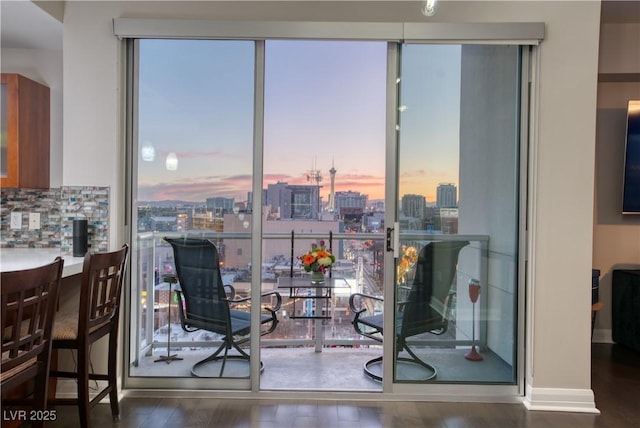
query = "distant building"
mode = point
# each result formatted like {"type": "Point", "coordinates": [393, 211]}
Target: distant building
{"type": "Point", "coordinates": [305, 202]}
{"type": "Point", "coordinates": [164, 223]}
{"type": "Point", "coordinates": [350, 203]}
{"type": "Point", "coordinates": [413, 205]}
{"type": "Point", "coordinates": [376, 206]}
{"type": "Point", "coordinates": [220, 206]}
{"type": "Point", "coordinates": [287, 201]}
{"type": "Point", "coordinates": [277, 199]}
{"type": "Point", "coordinates": [182, 222]}
{"type": "Point", "coordinates": [447, 196]}
{"type": "Point", "coordinates": [206, 221]}
{"type": "Point", "coordinates": [409, 223]}
{"type": "Point", "coordinates": [449, 221]}
{"type": "Point", "coordinates": [375, 221]}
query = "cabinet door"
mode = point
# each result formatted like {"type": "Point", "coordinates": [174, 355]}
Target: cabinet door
{"type": "Point", "coordinates": [25, 133]}
{"type": "Point", "coordinates": [9, 137]}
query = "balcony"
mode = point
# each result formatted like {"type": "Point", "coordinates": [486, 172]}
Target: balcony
{"type": "Point", "coordinates": [327, 341]}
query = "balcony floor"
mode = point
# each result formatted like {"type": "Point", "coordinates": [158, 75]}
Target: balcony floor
{"type": "Point", "coordinates": [333, 369]}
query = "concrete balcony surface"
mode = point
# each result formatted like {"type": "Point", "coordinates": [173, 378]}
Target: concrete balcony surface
{"type": "Point", "coordinates": [333, 369]}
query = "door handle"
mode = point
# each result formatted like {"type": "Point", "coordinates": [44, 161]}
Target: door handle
{"type": "Point", "coordinates": [395, 246]}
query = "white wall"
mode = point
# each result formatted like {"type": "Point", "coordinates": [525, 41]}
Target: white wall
{"type": "Point", "coordinates": [43, 66]}
{"type": "Point", "coordinates": [558, 353]}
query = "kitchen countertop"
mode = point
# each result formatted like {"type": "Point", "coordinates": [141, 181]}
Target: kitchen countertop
{"type": "Point", "coordinates": [27, 258]}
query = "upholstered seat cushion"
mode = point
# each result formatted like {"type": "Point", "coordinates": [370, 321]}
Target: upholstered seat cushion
{"type": "Point", "coordinates": [241, 321]}
{"type": "Point", "coordinates": [65, 326]}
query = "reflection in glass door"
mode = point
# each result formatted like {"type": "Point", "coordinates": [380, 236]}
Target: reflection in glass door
{"type": "Point", "coordinates": [456, 271]}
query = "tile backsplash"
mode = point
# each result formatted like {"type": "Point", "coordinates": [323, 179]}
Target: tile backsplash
{"type": "Point", "coordinates": [57, 208]}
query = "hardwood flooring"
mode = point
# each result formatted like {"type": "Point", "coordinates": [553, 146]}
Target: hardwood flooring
{"type": "Point", "coordinates": [615, 381]}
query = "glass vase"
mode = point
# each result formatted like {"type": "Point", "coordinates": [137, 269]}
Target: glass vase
{"type": "Point", "coordinates": [317, 276]}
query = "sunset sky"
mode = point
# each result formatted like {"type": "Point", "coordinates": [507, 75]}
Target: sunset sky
{"type": "Point", "coordinates": [324, 105]}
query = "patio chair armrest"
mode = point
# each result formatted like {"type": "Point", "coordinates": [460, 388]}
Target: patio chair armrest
{"type": "Point", "coordinates": [359, 309]}
{"type": "Point", "coordinates": [239, 300]}
{"type": "Point", "coordinates": [278, 300]}
{"type": "Point", "coordinates": [268, 293]}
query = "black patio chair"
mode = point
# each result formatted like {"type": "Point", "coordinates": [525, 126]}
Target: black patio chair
{"type": "Point", "coordinates": [205, 304]}
{"type": "Point", "coordinates": [426, 308]}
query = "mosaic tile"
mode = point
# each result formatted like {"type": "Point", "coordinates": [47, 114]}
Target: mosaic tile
{"type": "Point", "coordinates": [58, 208]}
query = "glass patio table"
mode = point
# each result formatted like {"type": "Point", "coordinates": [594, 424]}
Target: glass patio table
{"type": "Point", "coordinates": [314, 298]}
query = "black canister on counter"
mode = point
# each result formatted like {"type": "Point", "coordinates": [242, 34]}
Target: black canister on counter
{"type": "Point", "coordinates": [80, 237]}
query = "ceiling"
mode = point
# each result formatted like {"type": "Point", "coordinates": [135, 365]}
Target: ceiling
{"type": "Point", "coordinates": [26, 25]}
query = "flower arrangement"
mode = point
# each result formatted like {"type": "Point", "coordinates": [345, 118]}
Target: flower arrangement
{"type": "Point", "coordinates": [407, 262]}
{"type": "Point", "coordinates": [318, 258]}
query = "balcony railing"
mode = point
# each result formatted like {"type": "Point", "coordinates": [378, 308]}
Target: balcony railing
{"type": "Point", "coordinates": [360, 265]}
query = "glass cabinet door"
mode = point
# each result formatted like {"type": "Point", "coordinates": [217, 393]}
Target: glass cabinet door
{"type": "Point", "coordinates": [3, 132]}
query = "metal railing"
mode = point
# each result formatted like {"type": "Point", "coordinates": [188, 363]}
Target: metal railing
{"type": "Point", "coordinates": [362, 257]}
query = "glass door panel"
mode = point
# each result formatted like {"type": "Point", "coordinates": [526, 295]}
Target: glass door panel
{"type": "Point", "coordinates": [325, 137]}
{"type": "Point", "coordinates": [324, 180]}
{"type": "Point", "coordinates": [456, 274]}
{"type": "Point", "coordinates": [193, 179]}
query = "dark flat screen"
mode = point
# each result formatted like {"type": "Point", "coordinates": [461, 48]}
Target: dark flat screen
{"type": "Point", "coordinates": [631, 185]}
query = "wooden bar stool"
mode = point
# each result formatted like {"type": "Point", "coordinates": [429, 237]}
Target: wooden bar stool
{"type": "Point", "coordinates": [29, 299]}
{"type": "Point", "coordinates": [95, 317]}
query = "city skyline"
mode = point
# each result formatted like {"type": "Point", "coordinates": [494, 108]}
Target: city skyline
{"type": "Point", "coordinates": [325, 200]}
{"type": "Point", "coordinates": [324, 107]}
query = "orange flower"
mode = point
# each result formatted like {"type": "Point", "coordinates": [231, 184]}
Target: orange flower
{"type": "Point", "coordinates": [322, 254]}
{"type": "Point", "coordinates": [317, 259]}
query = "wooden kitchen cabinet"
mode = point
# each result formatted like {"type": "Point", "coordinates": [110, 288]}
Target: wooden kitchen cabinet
{"type": "Point", "coordinates": [24, 145]}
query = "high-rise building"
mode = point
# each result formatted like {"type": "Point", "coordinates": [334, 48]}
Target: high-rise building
{"type": "Point", "coordinates": [293, 201]}
{"type": "Point", "coordinates": [413, 205]}
{"type": "Point", "coordinates": [277, 198]}
{"type": "Point", "coordinates": [447, 196]}
{"type": "Point", "coordinates": [305, 202]}
{"type": "Point", "coordinates": [351, 205]}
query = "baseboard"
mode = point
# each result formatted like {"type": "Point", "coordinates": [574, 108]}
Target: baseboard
{"type": "Point", "coordinates": [603, 335]}
{"type": "Point", "coordinates": [66, 388]}
{"type": "Point", "coordinates": [560, 400]}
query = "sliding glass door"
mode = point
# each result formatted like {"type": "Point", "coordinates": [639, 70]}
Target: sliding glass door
{"type": "Point", "coordinates": [403, 158]}
{"type": "Point", "coordinates": [456, 284]}
{"type": "Point", "coordinates": [324, 181]}
{"type": "Point", "coordinates": [193, 176]}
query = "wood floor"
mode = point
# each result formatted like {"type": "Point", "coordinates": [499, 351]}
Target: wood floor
{"type": "Point", "coordinates": [615, 381]}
